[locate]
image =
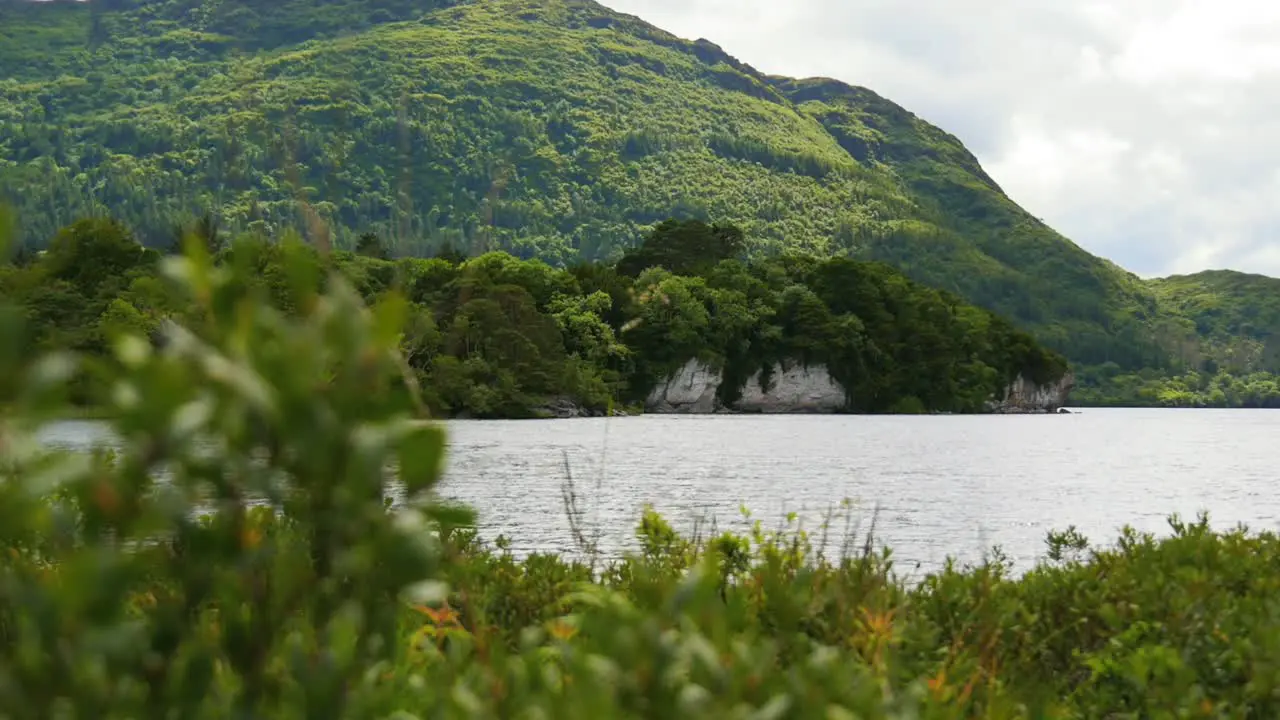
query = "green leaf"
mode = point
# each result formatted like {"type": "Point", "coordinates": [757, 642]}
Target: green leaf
{"type": "Point", "coordinates": [451, 516]}
{"type": "Point", "coordinates": [421, 455]}
{"type": "Point", "coordinates": [390, 316]}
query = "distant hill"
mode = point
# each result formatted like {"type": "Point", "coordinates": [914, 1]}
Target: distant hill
{"type": "Point", "coordinates": [550, 128]}
{"type": "Point", "coordinates": [1237, 315]}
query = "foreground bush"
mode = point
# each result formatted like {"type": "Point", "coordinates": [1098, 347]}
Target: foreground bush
{"type": "Point", "coordinates": [266, 574]}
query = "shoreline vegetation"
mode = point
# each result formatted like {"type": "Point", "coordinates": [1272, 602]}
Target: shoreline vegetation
{"type": "Point", "coordinates": [117, 601]}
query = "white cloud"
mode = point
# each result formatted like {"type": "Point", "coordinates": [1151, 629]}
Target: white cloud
{"type": "Point", "coordinates": [1145, 130]}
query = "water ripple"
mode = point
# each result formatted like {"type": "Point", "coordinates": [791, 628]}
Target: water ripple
{"type": "Point", "coordinates": [934, 486]}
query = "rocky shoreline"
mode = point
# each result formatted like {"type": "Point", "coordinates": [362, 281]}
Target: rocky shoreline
{"type": "Point", "coordinates": [792, 390]}
{"type": "Point", "coordinates": [797, 389]}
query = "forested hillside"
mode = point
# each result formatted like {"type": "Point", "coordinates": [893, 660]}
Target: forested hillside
{"type": "Point", "coordinates": [1229, 353]}
{"type": "Point", "coordinates": [555, 129]}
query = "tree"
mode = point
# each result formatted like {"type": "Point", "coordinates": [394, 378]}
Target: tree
{"type": "Point", "coordinates": [205, 229]}
{"type": "Point", "coordinates": [690, 247]}
{"type": "Point", "coordinates": [369, 245]}
{"type": "Point", "coordinates": [586, 334]}
{"type": "Point", "coordinates": [91, 252]}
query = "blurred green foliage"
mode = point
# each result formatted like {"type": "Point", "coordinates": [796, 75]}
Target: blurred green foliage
{"type": "Point", "coordinates": [240, 554]}
{"type": "Point", "coordinates": [141, 582]}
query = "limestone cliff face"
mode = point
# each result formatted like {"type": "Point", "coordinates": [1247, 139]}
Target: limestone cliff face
{"type": "Point", "coordinates": [793, 390]}
{"type": "Point", "coordinates": [1024, 396]}
{"type": "Point", "coordinates": [692, 390]}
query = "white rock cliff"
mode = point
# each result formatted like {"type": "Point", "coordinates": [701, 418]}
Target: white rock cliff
{"type": "Point", "coordinates": [793, 390]}
{"type": "Point", "coordinates": [1024, 396]}
{"type": "Point", "coordinates": [797, 389]}
{"type": "Point", "coordinates": [692, 389]}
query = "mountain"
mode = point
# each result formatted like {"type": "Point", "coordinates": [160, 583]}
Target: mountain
{"type": "Point", "coordinates": [550, 128]}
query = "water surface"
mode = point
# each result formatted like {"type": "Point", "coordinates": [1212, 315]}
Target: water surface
{"type": "Point", "coordinates": [935, 485]}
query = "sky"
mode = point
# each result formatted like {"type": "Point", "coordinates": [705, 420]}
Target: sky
{"type": "Point", "coordinates": [1147, 131]}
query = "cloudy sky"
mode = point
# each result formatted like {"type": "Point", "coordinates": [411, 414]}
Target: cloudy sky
{"type": "Point", "coordinates": [1148, 131]}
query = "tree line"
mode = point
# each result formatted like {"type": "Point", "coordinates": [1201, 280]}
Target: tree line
{"type": "Point", "coordinates": [497, 336]}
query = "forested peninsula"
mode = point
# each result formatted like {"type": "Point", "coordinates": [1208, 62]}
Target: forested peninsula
{"type": "Point", "coordinates": [494, 336]}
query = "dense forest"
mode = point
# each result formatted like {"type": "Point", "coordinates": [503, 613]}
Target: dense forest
{"type": "Point", "coordinates": [496, 336]}
{"type": "Point", "coordinates": [550, 129]}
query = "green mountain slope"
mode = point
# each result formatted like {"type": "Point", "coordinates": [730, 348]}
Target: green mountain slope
{"type": "Point", "coordinates": [549, 128]}
{"type": "Point", "coordinates": [1221, 332]}
{"type": "Point", "coordinates": [1237, 316]}
{"type": "Point", "coordinates": [982, 244]}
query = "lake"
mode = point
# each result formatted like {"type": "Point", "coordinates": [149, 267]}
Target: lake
{"type": "Point", "coordinates": [935, 485]}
